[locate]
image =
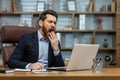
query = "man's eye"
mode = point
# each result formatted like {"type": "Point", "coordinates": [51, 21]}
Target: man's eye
{"type": "Point", "coordinates": [50, 21]}
{"type": "Point", "coordinates": [55, 23]}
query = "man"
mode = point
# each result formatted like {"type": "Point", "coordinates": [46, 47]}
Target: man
{"type": "Point", "coordinates": [41, 48]}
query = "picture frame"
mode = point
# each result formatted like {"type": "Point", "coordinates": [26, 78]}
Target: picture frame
{"type": "Point", "coordinates": [71, 5]}
{"type": "Point", "coordinates": [40, 6]}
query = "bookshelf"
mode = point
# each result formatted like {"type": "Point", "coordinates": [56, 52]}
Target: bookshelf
{"type": "Point", "coordinates": [70, 30]}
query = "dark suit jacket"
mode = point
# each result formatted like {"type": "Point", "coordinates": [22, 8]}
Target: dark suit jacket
{"type": "Point", "coordinates": [27, 51]}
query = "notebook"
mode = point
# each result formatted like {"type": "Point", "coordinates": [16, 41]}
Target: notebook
{"type": "Point", "coordinates": [81, 58]}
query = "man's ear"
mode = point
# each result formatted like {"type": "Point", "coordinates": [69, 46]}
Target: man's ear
{"type": "Point", "coordinates": [41, 23]}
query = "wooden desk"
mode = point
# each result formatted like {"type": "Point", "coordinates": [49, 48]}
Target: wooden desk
{"type": "Point", "coordinates": [108, 74]}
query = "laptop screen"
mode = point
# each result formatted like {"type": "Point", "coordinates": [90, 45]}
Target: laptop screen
{"type": "Point", "coordinates": [82, 56]}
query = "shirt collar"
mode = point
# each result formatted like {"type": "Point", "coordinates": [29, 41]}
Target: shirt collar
{"type": "Point", "coordinates": [40, 37]}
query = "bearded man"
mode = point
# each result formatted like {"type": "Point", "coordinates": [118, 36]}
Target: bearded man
{"type": "Point", "coordinates": [39, 49]}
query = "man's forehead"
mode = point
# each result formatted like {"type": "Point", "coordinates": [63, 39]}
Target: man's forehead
{"type": "Point", "coordinates": [51, 17]}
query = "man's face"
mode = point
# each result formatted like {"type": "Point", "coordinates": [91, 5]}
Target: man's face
{"type": "Point", "coordinates": [48, 25]}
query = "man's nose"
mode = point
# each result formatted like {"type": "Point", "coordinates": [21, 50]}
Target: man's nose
{"type": "Point", "coordinates": [52, 25]}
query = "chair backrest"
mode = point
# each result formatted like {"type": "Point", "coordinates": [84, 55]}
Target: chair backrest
{"type": "Point", "coordinates": [12, 34]}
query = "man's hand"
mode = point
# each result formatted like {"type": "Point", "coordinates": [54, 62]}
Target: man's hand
{"type": "Point", "coordinates": [36, 66]}
{"type": "Point", "coordinates": [54, 40]}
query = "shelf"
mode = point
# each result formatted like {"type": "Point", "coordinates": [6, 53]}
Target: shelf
{"type": "Point", "coordinates": [14, 13]}
{"type": "Point", "coordinates": [108, 49]}
{"type": "Point", "coordinates": [111, 31]}
{"type": "Point", "coordinates": [66, 49]}
{"type": "Point", "coordinates": [103, 49]}
{"type": "Point", "coordinates": [110, 66]}
{"type": "Point", "coordinates": [108, 13]}
{"type": "Point", "coordinates": [74, 31]}
{"type": "Point", "coordinates": [102, 13]}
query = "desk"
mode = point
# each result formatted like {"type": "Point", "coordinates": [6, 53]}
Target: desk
{"type": "Point", "coordinates": [108, 74]}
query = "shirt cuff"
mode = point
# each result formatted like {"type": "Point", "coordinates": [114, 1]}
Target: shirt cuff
{"type": "Point", "coordinates": [27, 66]}
{"type": "Point", "coordinates": [56, 52]}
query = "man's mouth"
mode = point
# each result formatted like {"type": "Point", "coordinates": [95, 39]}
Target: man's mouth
{"type": "Point", "coordinates": [50, 30]}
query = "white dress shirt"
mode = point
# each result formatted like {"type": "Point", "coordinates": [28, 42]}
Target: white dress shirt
{"type": "Point", "coordinates": [43, 51]}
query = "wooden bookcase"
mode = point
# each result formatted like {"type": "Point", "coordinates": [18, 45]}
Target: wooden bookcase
{"type": "Point", "coordinates": [69, 22]}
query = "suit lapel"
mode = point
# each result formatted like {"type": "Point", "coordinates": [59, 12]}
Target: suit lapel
{"type": "Point", "coordinates": [36, 47]}
{"type": "Point", "coordinates": [49, 54]}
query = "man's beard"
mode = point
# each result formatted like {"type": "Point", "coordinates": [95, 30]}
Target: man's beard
{"type": "Point", "coordinates": [45, 31]}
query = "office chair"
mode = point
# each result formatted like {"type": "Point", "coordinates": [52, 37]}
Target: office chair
{"type": "Point", "coordinates": [11, 35]}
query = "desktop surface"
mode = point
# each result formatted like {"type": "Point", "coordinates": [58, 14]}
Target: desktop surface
{"type": "Point", "coordinates": [107, 74]}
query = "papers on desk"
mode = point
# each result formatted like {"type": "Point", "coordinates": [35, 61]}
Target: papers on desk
{"type": "Point", "coordinates": [43, 71]}
{"type": "Point", "coordinates": [26, 70]}
{"type": "Point", "coordinates": [22, 70]}
{"type": "Point", "coordinates": [6, 70]}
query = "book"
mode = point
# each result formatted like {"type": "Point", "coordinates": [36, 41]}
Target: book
{"type": "Point", "coordinates": [14, 4]}
{"type": "Point", "coordinates": [112, 6]}
{"type": "Point", "coordinates": [6, 70]}
{"type": "Point", "coordinates": [93, 6]}
{"type": "Point", "coordinates": [103, 9]}
{"type": "Point", "coordinates": [91, 40]}
{"type": "Point", "coordinates": [90, 7]}
{"type": "Point", "coordinates": [59, 36]}
{"type": "Point", "coordinates": [82, 22]}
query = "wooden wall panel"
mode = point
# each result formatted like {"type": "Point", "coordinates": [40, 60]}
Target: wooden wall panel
{"type": "Point", "coordinates": [118, 6]}
{"type": "Point", "coordinates": [118, 33]}
{"type": "Point", "coordinates": [118, 36]}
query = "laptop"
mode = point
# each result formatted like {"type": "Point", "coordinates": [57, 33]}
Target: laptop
{"type": "Point", "coordinates": [81, 58]}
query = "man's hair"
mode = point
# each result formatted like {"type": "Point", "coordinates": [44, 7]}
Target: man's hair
{"type": "Point", "coordinates": [43, 15]}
